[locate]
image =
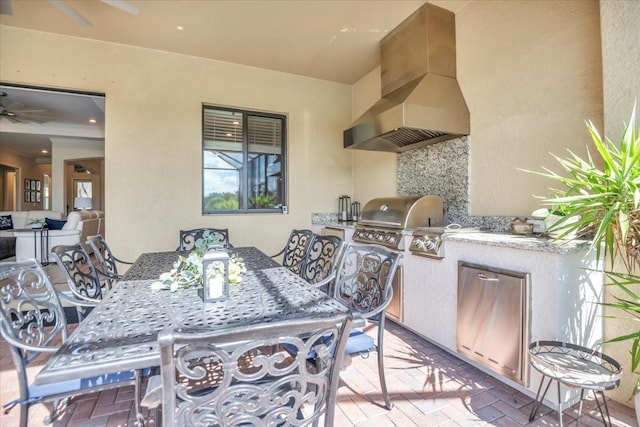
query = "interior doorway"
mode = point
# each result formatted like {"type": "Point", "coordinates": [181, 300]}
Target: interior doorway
{"type": "Point", "coordinates": [84, 184]}
{"type": "Point", "coordinates": [8, 188]}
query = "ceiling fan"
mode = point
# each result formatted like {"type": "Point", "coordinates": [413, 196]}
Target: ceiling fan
{"type": "Point", "coordinates": [6, 9]}
{"type": "Point", "coordinates": [15, 112]}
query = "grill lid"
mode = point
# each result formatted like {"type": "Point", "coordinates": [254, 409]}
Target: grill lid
{"type": "Point", "coordinates": [404, 212]}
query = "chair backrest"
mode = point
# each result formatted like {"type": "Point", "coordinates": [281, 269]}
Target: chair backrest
{"type": "Point", "coordinates": [215, 236]}
{"type": "Point", "coordinates": [253, 376]}
{"type": "Point", "coordinates": [31, 317]}
{"type": "Point", "coordinates": [321, 259]}
{"type": "Point", "coordinates": [104, 256]}
{"type": "Point", "coordinates": [296, 249]}
{"type": "Point", "coordinates": [364, 276]}
{"type": "Point", "coordinates": [81, 275]}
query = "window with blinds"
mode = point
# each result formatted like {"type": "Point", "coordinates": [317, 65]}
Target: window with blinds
{"type": "Point", "coordinates": [243, 161]}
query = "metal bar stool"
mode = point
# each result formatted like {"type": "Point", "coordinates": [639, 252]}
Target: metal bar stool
{"type": "Point", "coordinates": [575, 367]}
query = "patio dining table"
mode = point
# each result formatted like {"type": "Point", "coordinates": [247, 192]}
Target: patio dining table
{"type": "Point", "coordinates": [121, 332]}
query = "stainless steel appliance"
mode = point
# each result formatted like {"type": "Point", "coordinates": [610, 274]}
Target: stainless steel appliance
{"type": "Point", "coordinates": [383, 220]}
{"type": "Point", "coordinates": [427, 242]}
{"type": "Point", "coordinates": [493, 319]}
{"type": "Point", "coordinates": [394, 309]}
{"type": "Point", "coordinates": [421, 100]}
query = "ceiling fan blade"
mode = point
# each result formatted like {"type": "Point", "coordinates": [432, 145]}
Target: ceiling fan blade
{"type": "Point", "coordinates": [71, 12]}
{"type": "Point", "coordinates": [5, 7]}
{"type": "Point", "coordinates": [123, 5]}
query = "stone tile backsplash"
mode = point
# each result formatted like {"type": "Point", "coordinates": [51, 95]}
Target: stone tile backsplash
{"type": "Point", "coordinates": [442, 169]}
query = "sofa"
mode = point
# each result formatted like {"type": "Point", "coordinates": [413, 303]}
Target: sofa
{"type": "Point", "coordinates": [78, 225]}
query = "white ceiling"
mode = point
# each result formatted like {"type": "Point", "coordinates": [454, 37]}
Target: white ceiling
{"type": "Point", "coordinates": [69, 116]}
{"type": "Point", "coordinates": [331, 40]}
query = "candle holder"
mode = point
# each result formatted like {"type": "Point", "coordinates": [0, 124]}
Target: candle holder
{"type": "Point", "coordinates": [215, 275]}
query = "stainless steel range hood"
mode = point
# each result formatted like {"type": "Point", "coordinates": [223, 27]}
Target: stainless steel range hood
{"type": "Point", "coordinates": [421, 100]}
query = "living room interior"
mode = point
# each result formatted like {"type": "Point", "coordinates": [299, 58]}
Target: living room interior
{"type": "Point", "coordinates": [530, 82]}
{"type": "Point", "coordinates": [46, 136]}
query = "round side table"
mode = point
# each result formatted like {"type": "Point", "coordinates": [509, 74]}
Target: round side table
{"type": "Point", "coordinates": [575, 367]}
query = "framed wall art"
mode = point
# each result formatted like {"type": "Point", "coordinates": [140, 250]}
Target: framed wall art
{"type": "Point", "coordinates": [38, 185]}
{"type": "Point", "coordinates": [38, 196]}
{"type": "Point", "coordinates": [27, 196]}
{"type": "Point", "coordinates": [27, 184]}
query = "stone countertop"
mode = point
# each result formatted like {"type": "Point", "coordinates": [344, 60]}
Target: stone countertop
{"type": "Point", "coordinates": [336, 224]}
{"type": "Point", "coordinates": [490, 238]}
{"type": "Point", "coordinates": [507, 240]}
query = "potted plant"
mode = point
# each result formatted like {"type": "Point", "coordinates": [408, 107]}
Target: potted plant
{"type": "Point", "coordinates": [36, 223]}
{"type": "Point", "coordinates": [603, 204]}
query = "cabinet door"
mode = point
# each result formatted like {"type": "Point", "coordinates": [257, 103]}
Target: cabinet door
{"type": "Point", "coordinates": [491, 318]}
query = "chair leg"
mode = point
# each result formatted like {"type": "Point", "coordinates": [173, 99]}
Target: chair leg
{"type": "Point", "coordinates": [138, 397]}
{"type": "Point", "coordinates": [383, 383]}
{"type": "Point", "coordinates": [24, 415]}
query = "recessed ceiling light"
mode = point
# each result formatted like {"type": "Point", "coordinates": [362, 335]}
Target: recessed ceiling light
{"type": "Point", "coordinates": [236, 123]}
{"type": "Point", "coordinates": [229, 134]}
{"type": "Point", "coordinates": [92, 120]}
{"type": "Point", "coordinates": [179, 28]}
{"type": "Point", "coordinates": [45, 151]}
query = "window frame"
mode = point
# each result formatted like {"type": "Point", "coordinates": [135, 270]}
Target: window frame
{"type": "Point", "coordinates": [244, 176]}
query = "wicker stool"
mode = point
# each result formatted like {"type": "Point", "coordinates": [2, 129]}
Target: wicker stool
{"type": "Point", "coordinates": [575, 367]}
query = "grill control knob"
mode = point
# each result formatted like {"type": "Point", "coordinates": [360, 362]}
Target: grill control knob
{"type": "Point", "coordinates": [430, 245]}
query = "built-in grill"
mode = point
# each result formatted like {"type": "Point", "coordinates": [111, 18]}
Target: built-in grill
{"type": "Point", "coordinates": [427, 241]}
{"type": "Point", "coordinates": [383, 220]}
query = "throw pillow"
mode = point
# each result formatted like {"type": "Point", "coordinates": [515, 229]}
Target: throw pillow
{"type": "Point", "coordinates": [55, 224]}
{"type": "Point", "coordinates": [6, 223]}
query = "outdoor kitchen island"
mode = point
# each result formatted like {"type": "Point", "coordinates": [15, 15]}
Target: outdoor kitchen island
{"type": "Point", "coordinates": [560, 300]}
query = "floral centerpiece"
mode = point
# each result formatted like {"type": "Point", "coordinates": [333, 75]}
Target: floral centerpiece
{"type": "Point", "coordinates": [187, 270]}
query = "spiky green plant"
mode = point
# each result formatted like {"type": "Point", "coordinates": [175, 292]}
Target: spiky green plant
{"type": "Point", "coordinates": [606, 203]}
{"type": "Point", "coordinates": [605, 200]}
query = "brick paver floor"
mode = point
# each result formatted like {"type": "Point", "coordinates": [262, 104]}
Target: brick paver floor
{"type": "Point", "coordinates": [429, 387]}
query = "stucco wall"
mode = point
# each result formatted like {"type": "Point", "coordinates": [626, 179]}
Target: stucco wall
{"type": "Point", "coordinates": [153, 134]}
{"type": "Point", "coordinates": [621, 87]}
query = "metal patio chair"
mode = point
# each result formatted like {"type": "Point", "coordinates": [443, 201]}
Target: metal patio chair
{"type": "Point", "coordinates": [32, 322]}
{"type": "Point", "coordinates": [321, 260]}
{"type": "Point", "coordinates": [364, 284]}
{"type": "Point", "coordinates": [86, 288]}
{"type": "Point", "coordinates": [217, 236]}
{"type": "Point", "coordinates": [107, 261]}
{"type": "Point", "coordinates": [245, 376]}
{"type": "Point", "coordinates": [295, 250]}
